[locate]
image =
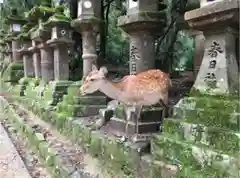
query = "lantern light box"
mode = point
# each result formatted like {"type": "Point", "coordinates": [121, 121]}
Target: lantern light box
{"type": "Point", "coordinates": [136, 6]}
{"type": "Point", "coordinates": [16, 27]}
{"type": "Point", "coordinates": [89, 8]}
{"type": "Point", "coordinates": [208, 2]}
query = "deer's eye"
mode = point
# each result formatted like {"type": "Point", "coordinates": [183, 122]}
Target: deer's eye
{"type": "Point", "coordinates": [92, 79]}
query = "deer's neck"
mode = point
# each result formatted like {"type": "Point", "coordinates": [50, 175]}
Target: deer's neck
{"type": "Point", "coordinates": [109, 89]}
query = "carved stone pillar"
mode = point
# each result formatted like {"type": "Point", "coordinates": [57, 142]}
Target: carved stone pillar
{"type": "Point", "coordinates": [27, 59]}
{"type": "Point", "coordinates": [142, 23]}
{"type": "Point", "coordinates": [218, 21]}
{"type": "Point", "coordinates": [15, 54]}
{"type": "Point", "coordinates": [36, 59]}
{"type": "Point", "coordinates": [47, 67]}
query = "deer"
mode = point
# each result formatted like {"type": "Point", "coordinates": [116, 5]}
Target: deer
{"type": "Point", "coordinates": [146, 88]}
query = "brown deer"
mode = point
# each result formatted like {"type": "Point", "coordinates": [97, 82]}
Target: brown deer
{"type": "Point", "coordinates": [134, 91]}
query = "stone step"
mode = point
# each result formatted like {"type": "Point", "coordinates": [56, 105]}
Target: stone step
{"type": "Point", "coordinates": [86, 100]}
{"type": "Point", "coordinates": [228, 106]}
{"type": "Point", "coordinates": [208, 117]}
{"type": "Point", "coordinates": [168, 149]}
{"type": "Point", "coordinates": [143, 127]}
{"type": "Point", "coordinates": [148, 114]}
{"type": "Point", "coordinates": [84, 110]}
{"type": "Point", "coordinates": [111, 150]}
{"type": "Point", "coordinates": [213, 137]}
{"type": "Point", "coordinates": [169, 170]}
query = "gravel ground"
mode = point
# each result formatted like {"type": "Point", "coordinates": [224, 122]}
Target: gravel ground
{"type": "Point", "coordinates": [30, 159]}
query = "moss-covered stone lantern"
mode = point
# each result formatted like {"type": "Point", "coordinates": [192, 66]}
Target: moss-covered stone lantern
{"type": "Point", "coordinates": [24, 37]}
{"type": "Point", "coordinates": [219, 22]}
{"type": "Point", "coordinates": [40, 36]}
{"type": "Point", "coordinates": [144, 20]}
{"type": "Point", "coordinates": [88, 24]}
{"type": "Point", "coordinates": [35, 55]}
{"type": "Point", "coordinates": [60, 42]}
{"type": "Point", "coordinates": [15, 22]}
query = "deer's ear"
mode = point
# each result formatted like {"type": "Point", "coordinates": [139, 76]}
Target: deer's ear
{"type": "Point", "coordinates": [103, 70]}
{"type": "Point", "coordinates": [94, 67]}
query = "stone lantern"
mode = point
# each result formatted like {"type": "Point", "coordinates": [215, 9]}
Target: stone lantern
{"type": "Point", "coordinates": [219, 22]}
{"type": "Point", "coordinates": [15, 22]}
{"type": "Point", "coordinates": [144, 20]}
{"type": "Point", "coordinates": [35, 56]}
{"type": "Point", "coordinates": [88, 24]}
{"type": "Point", "coordinates": [24, 50]}
{"type": "Point", "coordinates": [8, 48]}
{"type": "Point", "coordinates": [39, 37]}
{"type": "Point", "coordinates": [60, 42]}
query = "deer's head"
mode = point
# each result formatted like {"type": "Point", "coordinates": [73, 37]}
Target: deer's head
{"type": "Point", "coordinates": [93, 80]}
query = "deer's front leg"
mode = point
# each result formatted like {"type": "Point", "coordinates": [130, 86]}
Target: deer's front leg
{"type": "Point", "coordinates": [128, 110]}
{"type": "Point", "coordinates": [138, 110]}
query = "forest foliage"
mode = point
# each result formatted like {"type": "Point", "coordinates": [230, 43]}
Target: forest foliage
{"type": "Point", "coordinates": [174, 48]}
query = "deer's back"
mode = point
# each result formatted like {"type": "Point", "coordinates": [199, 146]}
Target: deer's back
{"type": "Point", "coordinates": [148, 83]}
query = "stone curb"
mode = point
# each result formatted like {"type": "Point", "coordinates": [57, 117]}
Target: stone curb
{"type": "Point", "coordinates": [36, 140]}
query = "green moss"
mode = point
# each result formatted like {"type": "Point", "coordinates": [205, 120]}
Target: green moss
{"type": "Point", "coordinates": [207, 102]}
{"type": "Point", "coordinates": [197, 93]}
{"type": "Point", "coordinates": [213, 137]}
{"type": "Point", "coordinates": [13, 73]}
{"type": "Point", "coordinates": [165, 148]}
{"type": "Point", "coordinates": [55, 91]}
{"type": "Point", "coordinates": [43, 12]}
{"type": "Point", "coordinates": [58, 18]}
{"type": "Point", "coordinates": [209, 117]}
{"type": "Point", "coordinates": [68, 99]}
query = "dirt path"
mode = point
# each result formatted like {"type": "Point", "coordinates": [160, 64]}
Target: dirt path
{"type": "Point", "coordinates": [30, 159]}
{"type": "Point", "coordinates": [11, 164]}
{"type": "Point", "coordinates": [70, 154]}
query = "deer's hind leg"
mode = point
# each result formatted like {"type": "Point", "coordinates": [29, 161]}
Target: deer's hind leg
{"type": "Point", "coordinates": [138, 110]}
{"type": "Point", "coordinates": [129, 110]}
{"type": "Point", "coordinates": [164, 103]}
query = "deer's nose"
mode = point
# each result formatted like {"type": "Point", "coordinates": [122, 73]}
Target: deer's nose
{"type": "Point", "coordinates": [82, 92]}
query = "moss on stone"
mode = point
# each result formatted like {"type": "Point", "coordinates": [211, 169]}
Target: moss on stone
{"type": "Point", "coordinates": [196, 93]}
{"type": "Point", "coordinates": [220, 104]}
{"type": "Point", "coordinates": [54, 92]}
{"type": "Point", "coordinates": [13, 17]}
{"type": "Point", "coordinates": [165, 148]}
{"type": "Point", "coordinates": [58, 18]}
{"type": "Point", "coordinates": [209, 117]}
{"type": "Point", "coordinates": [40, 12]}
{"type": "Point", "coordinates": [226, 142]}
{"type": "Point", "coordinates": [13, 73]}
